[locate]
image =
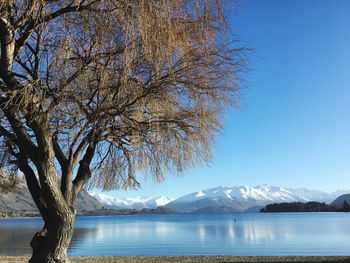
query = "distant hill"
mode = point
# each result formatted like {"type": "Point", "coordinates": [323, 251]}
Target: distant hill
{"type": "Point", "coordinates": [145, 211]}
{"type": "Point", "coordinates": [159, 210]}
{"type": "Point", "coordinates": [17, 201]}
{"type": "Point", "coordinates": [339, 201]}
{"type": "Point", "coordinates": [298, 207]}
{"type": "Point", "coordinates": [87, 202]}
{"type": "Point", "coordinates": [20, 201]}
{"type": "Point", "coordinates": [215, 210]}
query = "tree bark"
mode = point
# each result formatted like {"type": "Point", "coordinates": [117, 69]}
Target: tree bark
{"type": "Point", "coordinates": [51, 243]}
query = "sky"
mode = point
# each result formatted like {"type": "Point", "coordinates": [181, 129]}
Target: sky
{"type": "Point", "coordinates": [293, 125]}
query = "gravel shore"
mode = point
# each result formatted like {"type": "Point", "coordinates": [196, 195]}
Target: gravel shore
{"type": "Point", "coordinates": [187, 259]}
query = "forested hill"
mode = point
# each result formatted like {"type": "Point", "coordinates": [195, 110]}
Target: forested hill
{"type": "Point", "coordinates": [340, 200]}
{"type": "Point", "coordinates": [305, 207]}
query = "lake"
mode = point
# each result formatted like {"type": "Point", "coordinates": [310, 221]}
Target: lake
{"type": "Point", "coordinates": [277, 234]}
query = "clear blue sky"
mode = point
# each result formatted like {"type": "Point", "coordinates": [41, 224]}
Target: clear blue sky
{"type": "Point", "coordinates": [293, 128]}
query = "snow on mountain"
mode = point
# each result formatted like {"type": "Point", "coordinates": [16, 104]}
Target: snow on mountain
{"type": "Point", "coordinates": [163, 200]}
{"type": "Point", "coordinates": [234, 199]}
{"type": "Point", "coordinates": [316, 195]}
{"type": "Point", "coordinates": [241, 198]}
{"type": "Point", "coordinates": [138, 203]}
{"type": "Point", "coordinates": [261, 193]}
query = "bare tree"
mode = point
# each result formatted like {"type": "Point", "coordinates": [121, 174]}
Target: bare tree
{"type": "Point", "coordinates": [8, 181]}
{"type": "Point", "coordinates": [105, 90]}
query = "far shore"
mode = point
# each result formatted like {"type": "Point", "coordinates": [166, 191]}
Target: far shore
{"type": "Point", "coordinates": [190, 259]}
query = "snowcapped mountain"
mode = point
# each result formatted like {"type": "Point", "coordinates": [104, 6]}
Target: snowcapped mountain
{"type": "Point", "coordinates": [224, 199]}
{"type": "Point", "coordinates": [316, 195]}
{"type": "Point", "coordinates": [244, 198]}
{"type": "Point", "coordinates": [132, 203]}
{"type": "Point", "coordinates": [261, 193]}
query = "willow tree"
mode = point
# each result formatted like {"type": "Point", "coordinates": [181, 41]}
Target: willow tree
{"type": "Point", "coordinates": [104, 91]}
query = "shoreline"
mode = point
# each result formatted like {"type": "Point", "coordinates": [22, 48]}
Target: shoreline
{"type": "Point", "coordinates": [189, 259]}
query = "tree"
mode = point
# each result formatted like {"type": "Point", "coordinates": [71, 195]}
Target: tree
{"type": "Point", "coordinates": [8, 181]}
{"type": "Point", "coordinates": [99, 91]}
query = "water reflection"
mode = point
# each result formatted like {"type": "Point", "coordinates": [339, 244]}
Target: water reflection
{"type": "Point", "coordinates": [14, 242]}
{"type": "Point", "coordinates": [16, 234]}
{"type": "Point", "coordinates": [136, 230]}
{"type": "Point", "coordinates": [250, 234]}
{"type": "Point", "coordinates": [251, 231]}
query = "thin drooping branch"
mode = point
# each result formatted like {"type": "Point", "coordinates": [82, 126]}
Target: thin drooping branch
{"type": "Point", "coordinates": [32, 24]}
{"type": "Point", "coordinates": [25, 67]}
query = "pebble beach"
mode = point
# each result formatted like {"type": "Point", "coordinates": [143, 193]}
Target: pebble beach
{"type": "Point", "coordinates": [189, 259]}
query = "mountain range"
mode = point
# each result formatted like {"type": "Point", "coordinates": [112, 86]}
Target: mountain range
{"type": "Point", "coordinates": [138, 203]}
{"type": "Point", "coordinates": [214, 200]}
{"type": "Point", "coordinates": [246, 198]}
{"type": "Point", "coordinates": [224, 199]}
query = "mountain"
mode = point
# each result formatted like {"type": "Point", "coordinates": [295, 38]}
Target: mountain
{"type": "Point", "coordinates": [87, 202]}
{"type": "Point", "coordinates": [20, 201]}
{"type": "Point", "coordinates": [316, 195]}
{"type": "Point", "coordinates": [238, 198]}
{"type": "Point", "coordinates": [17, 201]}
{"type": "Point", "coordinates": [339, 201]}
{"type": "Point", "coordinates": [213, 200]}
{"type": "Point", "coordinates": [245, 198]}
{"type": "Point", "coordinates": [132, 203]}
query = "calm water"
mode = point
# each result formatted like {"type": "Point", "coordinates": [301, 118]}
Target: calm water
{"type": "Point", "coordinates": [251, 234]}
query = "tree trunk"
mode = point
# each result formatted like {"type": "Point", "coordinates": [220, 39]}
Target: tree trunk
{"type": "Point", "coordinates": [51, 243]}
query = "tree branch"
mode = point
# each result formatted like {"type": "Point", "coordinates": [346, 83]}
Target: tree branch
{"type": "Point", "coordinates": [74, 156]}
{"type": "Point", "coordinates": [31, 25]}
{"type": "Point", "coordinates": [7, 40]}
{"type": "Point", "coordinates": [24, 142]}
{"type": "Point", "coordinates": [6, 133]}
{"type": "Point", "coordinates": [60, 156]}
{"type": "Point", "coordinates": [84, 173]}
{"type": "Point", "coordinates": [34, 187]}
